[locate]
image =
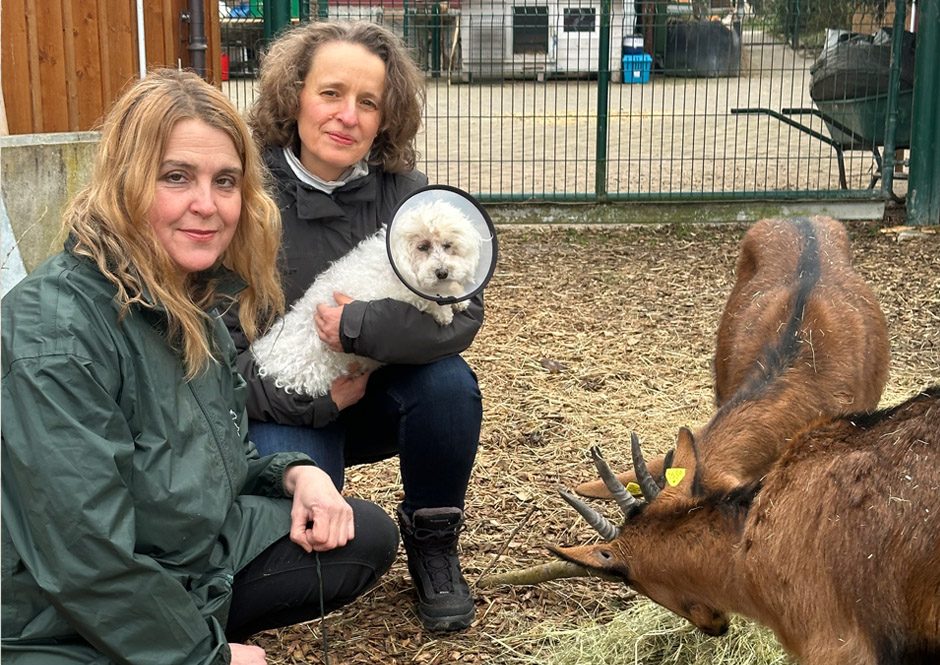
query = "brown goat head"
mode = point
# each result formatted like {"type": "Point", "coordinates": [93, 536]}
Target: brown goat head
{"type": "Point", "coordinates": [664, 548]}
{"type": "Point", "coordinates": [658, 549]}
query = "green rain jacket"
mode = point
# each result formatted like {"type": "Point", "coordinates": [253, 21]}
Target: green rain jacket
{"type": "Point", "coordinates": [130, 495]}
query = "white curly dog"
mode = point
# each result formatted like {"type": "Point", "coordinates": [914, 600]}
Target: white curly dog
{"type": "Point", "coordinates": [436, 249]}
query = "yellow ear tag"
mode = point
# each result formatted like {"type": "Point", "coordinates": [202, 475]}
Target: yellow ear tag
{"type": "Point", "coordinates": [634, 489]}
{"type": "Point", "coordinates": [674, 476]}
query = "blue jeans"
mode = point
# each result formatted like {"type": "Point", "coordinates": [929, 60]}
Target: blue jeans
{"type": "Point", "coordinates": [428, 415]}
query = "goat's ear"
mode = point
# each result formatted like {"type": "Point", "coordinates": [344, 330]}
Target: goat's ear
{"type": "Point", "coordinates": [685, 460]}
{"type": "Point", "coordinates": [685, 443]}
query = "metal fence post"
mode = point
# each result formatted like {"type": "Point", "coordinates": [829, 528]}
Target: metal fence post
{"type": "Point", "coordinates": [276, 18]}
{"type": "Point", "coordinates": [923, 197]}
{"type": "Point", "coordinates": [435, 40]}
{"type": "Point", "coordinates": [894, 92]}
{"type": "Point", "coordinates": [603, 94]}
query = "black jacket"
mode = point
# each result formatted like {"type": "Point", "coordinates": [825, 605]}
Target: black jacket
{"type": "Point", "coordinates": [319, 228]}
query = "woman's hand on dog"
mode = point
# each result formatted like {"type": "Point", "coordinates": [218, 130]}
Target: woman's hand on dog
{"type": "Point", "coordinates": [327, 320]}
{"type": "Point", "coordinates": [348, 389]}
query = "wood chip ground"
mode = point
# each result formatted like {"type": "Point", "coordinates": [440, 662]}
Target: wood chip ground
{"type": "Point", "coordinates": [589, 334]}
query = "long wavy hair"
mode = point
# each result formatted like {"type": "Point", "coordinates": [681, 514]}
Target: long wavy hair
{"type": "Point", "coordinates": [108, 219]}
{"type": "Point", "coordinates": [284, 68]}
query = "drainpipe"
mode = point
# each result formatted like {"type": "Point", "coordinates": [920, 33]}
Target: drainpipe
{"type": "Point", "coordinates": [141, 40]}
{"type": "Point", "coordinates": [197, 37]}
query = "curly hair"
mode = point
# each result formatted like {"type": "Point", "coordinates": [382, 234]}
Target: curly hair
{"type": "Point", "coordinates": [284, 68]}
{"type": "Point", "coordinates": [108, 219]}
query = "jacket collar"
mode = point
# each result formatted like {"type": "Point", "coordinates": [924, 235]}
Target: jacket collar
{"type": "Point", "coordinates": [311, 203]}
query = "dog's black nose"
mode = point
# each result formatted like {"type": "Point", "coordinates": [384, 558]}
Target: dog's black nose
{"type": "Point", "coordinates": [441, 273]}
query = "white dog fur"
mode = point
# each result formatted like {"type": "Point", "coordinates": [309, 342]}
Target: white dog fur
{"type": "Point", "coordinates": [436, 249]}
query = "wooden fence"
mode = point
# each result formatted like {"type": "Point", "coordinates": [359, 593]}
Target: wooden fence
{"type": "Point", "coordinates": [65, 61]}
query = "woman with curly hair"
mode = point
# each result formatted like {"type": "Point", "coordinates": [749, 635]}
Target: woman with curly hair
{"type": "Point", "coordinates": [139, 522]}
{"type": "Point", "coordinates": [337, 111]}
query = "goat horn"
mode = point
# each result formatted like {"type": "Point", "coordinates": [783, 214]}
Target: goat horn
{"type": "Point", "coordinates": [600, 523]}
{"type": "Point", "coordinates": [647, 484]}
{"type": "Point", "coordinates": [620, 494]}
{"type": "Point", "coordinates": [554, 570]}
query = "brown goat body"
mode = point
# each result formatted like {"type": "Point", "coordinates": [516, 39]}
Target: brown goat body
{"type": "Point", "coordinates": [837, 550]}
{"type": "Point", "coordinates": [801, 337]}
{"type": "Point", "coordinates": [798, 309]}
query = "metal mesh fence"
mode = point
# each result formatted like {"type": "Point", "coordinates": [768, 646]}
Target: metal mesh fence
{"type": "Point", "coordinates": [587, 100]}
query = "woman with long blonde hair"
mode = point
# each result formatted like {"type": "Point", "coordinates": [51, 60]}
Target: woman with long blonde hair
{"type": "Point", "coordinates": [139, 522]}
{"type": "Point", "coordinates": [108, 219]}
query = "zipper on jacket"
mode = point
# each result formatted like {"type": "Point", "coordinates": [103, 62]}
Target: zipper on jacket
{"type": "Point", "coordinates": [218, 444]}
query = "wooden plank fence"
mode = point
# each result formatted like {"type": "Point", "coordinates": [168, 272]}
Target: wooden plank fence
{"type": "Point", "coordinates": [65, 61]}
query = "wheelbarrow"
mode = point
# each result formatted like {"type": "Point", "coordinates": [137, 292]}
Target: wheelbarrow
{"type": "Point", "coordinates": [856, 123]}
{"type": "Point", "coordinates": [849, 88]}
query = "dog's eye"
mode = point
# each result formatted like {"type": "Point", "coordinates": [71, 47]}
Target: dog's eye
{"type": "Point", "coordinates": [423, 247]}
{"type": "Point", "coordinates": [447, 245]}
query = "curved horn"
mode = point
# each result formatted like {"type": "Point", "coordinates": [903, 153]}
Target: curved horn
{"type": "Point", "coordinates": [600, 523]}
{"type": "Point", "coordinates": [647, 483]}
{"type": "Point", "coordinates": [620, 494]}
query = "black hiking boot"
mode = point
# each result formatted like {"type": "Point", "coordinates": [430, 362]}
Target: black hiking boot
{"type": "Point", "coordinates": [430, 538]}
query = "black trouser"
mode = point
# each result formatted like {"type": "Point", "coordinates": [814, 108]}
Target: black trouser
{"type": "Point", "coordinates": [283, 586]}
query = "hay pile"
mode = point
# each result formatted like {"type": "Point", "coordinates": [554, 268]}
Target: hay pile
{"type": "Point", "coordinates": [591, 334]}
{"type": "Point", "coordinates": [646, 633]}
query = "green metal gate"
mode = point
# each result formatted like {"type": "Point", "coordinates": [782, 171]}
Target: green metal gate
{"type": "Point", "coordinates": [656, 100]}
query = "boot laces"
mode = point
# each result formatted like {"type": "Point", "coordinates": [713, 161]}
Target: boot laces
{"type": "Point", "coordinates": [438, 548]}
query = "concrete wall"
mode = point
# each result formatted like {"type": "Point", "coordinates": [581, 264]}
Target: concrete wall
{"type": "Point", "coordinates": [38, 175]}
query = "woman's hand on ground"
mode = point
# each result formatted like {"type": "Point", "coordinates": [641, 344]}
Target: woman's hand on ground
{"type": "Point", "coordinates": [243, 654]}
{"type": "Point", "coordinates": [321, 519]}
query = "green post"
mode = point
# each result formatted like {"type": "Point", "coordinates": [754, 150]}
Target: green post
{"type": "Point", "coordinates": [435, 40]}
{"type": "Point", "coordinates": [323, 10]}
{"type": "Point", "coordinates": [923, 194]}
{"type": "Point", "coordinates": [894, 91]}
{"type": "Point", "coordinates": [603, 93]}
{"type": "Point", "coordinates": [276, 18]}
{"type": "Point", "coordinates": [404, 22]}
